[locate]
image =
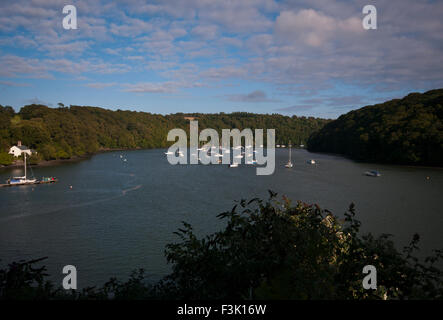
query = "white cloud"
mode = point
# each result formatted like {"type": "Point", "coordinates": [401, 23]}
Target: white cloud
{"type": "Point", "coordinates": [207, 32]}
{"type": "Point", "coordinates": [255, 97]}
{"type": "Point", "coordinates": [159, 87]}
{"type": "Point", "coordinates": [100, 85]}
{"type": "Point", "coordinates": [314, 28]}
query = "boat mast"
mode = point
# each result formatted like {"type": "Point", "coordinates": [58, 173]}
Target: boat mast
{"type": "Point", "coordinates": [290, 150]}
{"type": "Point", "coordinates": [25, 163]}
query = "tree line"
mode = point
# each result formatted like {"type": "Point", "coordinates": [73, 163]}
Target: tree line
{"type": "Point", "coordinates": [66, 132]}
{"type": "Point", "coordinates": [399, 131]}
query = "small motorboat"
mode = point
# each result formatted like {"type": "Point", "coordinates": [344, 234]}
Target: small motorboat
{"type": "Point", "coordinates": [373, 173]}
{"type": "Point", "coordinates": [233, 165]}
{"type": "Point", "coordinates": [312, 161]}
{"type": "Point", "coordinates": [48, 180]}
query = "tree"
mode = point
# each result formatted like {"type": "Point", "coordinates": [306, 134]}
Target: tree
{"type": "Point", "coordinates": [268, 250]}
{"type": "Point", "coordinates": [401, 131]}
{"type": "Point", "coordinates": [278, 251]}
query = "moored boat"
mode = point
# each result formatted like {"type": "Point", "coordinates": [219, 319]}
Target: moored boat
{"type": "Point", "coordinates": [373, 173]}
{"type": "Point", "coordinates": [21, 180]}
{"type": "Point", "coordinates": [289, 164]}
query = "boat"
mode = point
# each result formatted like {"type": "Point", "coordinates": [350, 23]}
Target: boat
{"type": "Point", "coordinates": [21, 180]}
{"type": "Point", "coordinates": [289, 164]}
{"type": "Point", "coordinates": [373, 173]}
{"type": "Point", "coordinates": [48, 180]}
{"type": "Point", "coordinates": [233, 165]}
{"type": "Point", "coordinates": [312, 161]}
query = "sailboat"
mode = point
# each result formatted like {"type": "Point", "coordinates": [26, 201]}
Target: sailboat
{"type": "Point", "coordinates": [21, 180]}
{"type": "Point", "coordinates": [289, 164]}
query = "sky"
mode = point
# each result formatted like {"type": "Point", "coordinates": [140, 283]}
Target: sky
{"type": "Point", "coordinates": [304, 58]}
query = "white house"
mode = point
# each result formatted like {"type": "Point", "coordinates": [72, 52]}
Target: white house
{"type": "Point", "coordinates": [18, 150]}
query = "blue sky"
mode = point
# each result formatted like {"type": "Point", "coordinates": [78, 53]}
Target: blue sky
{"type": "Point", "coordinates": [308, 58]}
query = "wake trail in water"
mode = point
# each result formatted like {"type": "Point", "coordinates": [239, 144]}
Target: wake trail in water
{"type": "Point", "coordinates": [79, 205]}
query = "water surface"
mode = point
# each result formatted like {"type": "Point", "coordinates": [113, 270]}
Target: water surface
{"type": "Point", "coordinates": [118, 216]}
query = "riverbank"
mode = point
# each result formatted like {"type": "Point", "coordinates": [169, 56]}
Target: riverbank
{"type": "Point", "coordinates": [55, 162]}
{"type": "Point", "coordinates": [47, 163]}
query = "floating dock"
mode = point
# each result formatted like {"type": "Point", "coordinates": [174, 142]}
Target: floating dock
{"type": "Point", "coordinates": [28, 183]}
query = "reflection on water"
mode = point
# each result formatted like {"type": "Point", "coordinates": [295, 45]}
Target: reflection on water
{"type": "Point", "coordinates": [119, 215]}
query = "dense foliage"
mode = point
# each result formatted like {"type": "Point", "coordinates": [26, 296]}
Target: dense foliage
{"type": "Point", "coordinates": [403, 131]}
{"type": "Point", "coordinates": [64, 132]}
{"type": "Point", "coordinates": [268, 250]}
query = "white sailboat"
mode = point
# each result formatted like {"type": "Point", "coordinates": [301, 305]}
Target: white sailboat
{"type": "Point", "coordinates": [22, 180]}
{"type": "Point", "coordinates": [289, 164]}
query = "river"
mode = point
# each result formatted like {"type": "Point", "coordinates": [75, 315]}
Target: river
{"type": "Point", "coordinates": [119, 215]}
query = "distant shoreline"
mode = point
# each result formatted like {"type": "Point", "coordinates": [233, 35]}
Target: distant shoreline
{"type": "Point", "coordinates": [55, 162]}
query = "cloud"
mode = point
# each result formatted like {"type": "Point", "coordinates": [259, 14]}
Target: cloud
{"type": "Point", "coordinates": [206, 32]}
{"type": "Point", "coordinates": [14, 84]}
{"type": "Point", "coordinates": [15, 66]}
{"type": "Point", "coordinates": [296, 108]}
{"type": "Point", "coordinates": [100, 85]}
{"type": "Point", "coordinates": [255, 96]}
{"type": "Point", "coordinates": [159, 87]}
{"type": "Point", "coordinates": [131, 27]}
{"type": "Point", "coordinates": [224, 72]}
{"type": "Point", "coordinates": [293, 48]}
{"type": "Point", "coordinates": [314, 28]}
